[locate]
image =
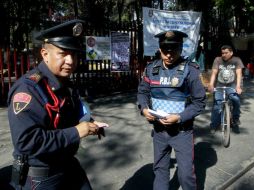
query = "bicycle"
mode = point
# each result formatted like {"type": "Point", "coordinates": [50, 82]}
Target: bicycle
{"type": "Point", "coordinates": [226, 115]}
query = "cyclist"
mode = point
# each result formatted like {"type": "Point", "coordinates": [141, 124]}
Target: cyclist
{"type": "Point", "coordinates": [226, 71]}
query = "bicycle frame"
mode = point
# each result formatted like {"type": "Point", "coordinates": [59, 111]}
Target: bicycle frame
{"type": "Point", "coordinates": [225, 115]}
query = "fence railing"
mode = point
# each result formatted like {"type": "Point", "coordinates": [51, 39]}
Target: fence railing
{"type": "Point", "coordinates": [94, 78]}
{"type": "Point", "coordinates": [12, 66]}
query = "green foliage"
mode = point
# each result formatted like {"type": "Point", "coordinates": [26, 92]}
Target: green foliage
{"type": "Point", "coordinates": [23, 16]}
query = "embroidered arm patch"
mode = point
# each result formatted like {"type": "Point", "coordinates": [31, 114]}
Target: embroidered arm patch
{"type": "Point", "coordinates": [20, 101]}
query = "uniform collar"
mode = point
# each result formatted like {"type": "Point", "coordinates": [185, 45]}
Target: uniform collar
{"type": "Point", "coordinates": [160, 63]}
{"type": "Point", "coordinates": [54, 83]}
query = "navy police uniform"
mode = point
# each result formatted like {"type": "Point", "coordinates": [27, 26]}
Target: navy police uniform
{"type": "Point", "coordinates": [42, 112]}
{"type": "Point", "coordinates": [178, 90]}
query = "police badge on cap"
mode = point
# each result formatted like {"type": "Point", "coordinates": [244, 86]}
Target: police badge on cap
{"type": "Point", "coordinates": [67, 35]}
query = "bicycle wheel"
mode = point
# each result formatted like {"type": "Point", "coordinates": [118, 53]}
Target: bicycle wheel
{"type": "Point", "coordinates": [225, 125]}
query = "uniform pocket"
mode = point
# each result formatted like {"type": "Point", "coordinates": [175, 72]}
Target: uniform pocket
{"type": "Point", "coordinates": [42, 183]}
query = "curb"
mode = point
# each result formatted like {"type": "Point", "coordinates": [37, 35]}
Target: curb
{"type": "Point", "coordinates": [234, 178]}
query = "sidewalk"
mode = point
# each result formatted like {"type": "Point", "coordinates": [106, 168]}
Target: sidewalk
{"type": "Point", "coordinates": [123, 160]}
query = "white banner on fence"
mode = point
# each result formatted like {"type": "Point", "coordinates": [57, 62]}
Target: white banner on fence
{"type": "Point", "coordinates": [120, 51]}
{"type": "Point", "coordinates": [156, 21]}
{"type": "Point", "coordinates": [97, 48]}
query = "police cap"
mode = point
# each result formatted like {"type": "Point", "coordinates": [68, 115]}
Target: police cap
{"type": "Point", "coordinates": [171, 40]}
{"type": "Point", "coordinates": [68, 35]}
{"type": "Point", "coordinates": [171, 37]}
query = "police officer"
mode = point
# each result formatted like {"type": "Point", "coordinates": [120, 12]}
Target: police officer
{"type": "Point", "coordinates": [172, 85]}
{"type": "Point", "coordinates": [44, 115]}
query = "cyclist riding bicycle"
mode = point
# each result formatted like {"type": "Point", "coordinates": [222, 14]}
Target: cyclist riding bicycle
{"type": "Point", "coordinates": [226, 71]}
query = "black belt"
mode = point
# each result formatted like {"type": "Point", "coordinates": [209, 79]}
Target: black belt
{"type": "Point", "coordinates": [158, 127]}
{"type": "Point", "coordinates": [41, 172]}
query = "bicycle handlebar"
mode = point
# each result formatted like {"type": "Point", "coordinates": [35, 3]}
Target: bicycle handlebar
{"type": "Point", "coordinates": [223, 88]}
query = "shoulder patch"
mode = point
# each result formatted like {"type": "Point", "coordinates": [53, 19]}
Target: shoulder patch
{"type": "Point", "coordinates": [20, 101]}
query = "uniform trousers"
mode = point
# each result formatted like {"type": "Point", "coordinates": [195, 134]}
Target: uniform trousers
{"type": "Point", "coordinates": [70, 177]}
{"type": "Point", "coordinates": [182, 143]}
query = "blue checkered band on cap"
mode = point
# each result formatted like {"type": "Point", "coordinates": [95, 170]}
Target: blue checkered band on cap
{"type": "Point", "coordinates": [168, 106]}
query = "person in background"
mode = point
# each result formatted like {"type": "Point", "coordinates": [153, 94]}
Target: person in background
{"type": "Point", "coordinates": [226, 71]}
{"type": "Point", "coordinates": [47, 118]}
{"type": "Point", "coordinates": [250, 67]}
{"type": "Point", "coordinates": [171, 84]}
{"type": "Point", "coordinates": [200, 57]}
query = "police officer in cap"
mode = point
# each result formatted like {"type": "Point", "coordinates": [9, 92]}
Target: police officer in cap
{"type": "Point", "coordinates": [45, 116]}
{"type": "Point", "coordinates": [172, 87]}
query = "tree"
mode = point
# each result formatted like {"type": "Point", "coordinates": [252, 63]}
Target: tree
{"type": "Point", "coordinates": [23, 16]}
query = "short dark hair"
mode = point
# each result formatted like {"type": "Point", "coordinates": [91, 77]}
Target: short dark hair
{"type": "Point", "coordinates": [226, 47]}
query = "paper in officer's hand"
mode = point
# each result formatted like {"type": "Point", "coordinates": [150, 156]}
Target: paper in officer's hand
{"type": "Point", "coordinates": [101, 131]}
{"type": "Point", "coordinates": [100, 124]}
{"type": "Point", "coordinates": [158, 113]}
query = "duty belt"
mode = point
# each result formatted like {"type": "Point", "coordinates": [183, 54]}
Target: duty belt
{"type": "Point", "coordinates": [41, 171]}
{"type": "Point", "coordinates": [178, 127]}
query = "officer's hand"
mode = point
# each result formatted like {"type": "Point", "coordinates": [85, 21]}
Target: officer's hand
{"type": "Point", "coordinates": [147, 115]}
{"type": "Point", "coordinates": [87, 128]}
{"type": "Point", "coordinates": [170, 119]}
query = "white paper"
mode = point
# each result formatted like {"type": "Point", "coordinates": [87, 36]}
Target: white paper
{"type": "Point", "coordinates": [158, 113]}
{"type": "Point", "coordinates": [100, 124]}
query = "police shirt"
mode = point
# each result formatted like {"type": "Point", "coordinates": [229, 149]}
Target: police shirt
{"type": "Point", "coordinates": [166, 86]}
{"type": "Point", "coordinates": [32, 129]}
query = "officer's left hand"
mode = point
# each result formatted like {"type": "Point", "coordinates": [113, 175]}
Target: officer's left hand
{"type": "Point", "coordinates": [170, 119]}
{"type": "Point", "coordinates": [147, 115]}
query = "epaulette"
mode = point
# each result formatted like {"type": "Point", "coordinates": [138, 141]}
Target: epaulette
{"type": "Point", "coordinates": [193, 64]}
{"type": "Point", "coordinates": [35, 77]}
{"type": "Point", "coordinates": [181, 66]}
{"type": "Point", "coordinates": [156, 63]}
{"type": "Point", "coordinates": [156, 67]}
{"type": "Point", "coordinates": [145, 69]}
{"type": "Point", "coordinates": [150, 66]}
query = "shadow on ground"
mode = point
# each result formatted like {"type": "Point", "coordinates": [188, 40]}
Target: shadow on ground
{"type": "Point", "coordinates": [5, 178]}
{"type": "Point", "coordinates": [141, 180]}
{"type": "Point", "coordinates": [205, 157]}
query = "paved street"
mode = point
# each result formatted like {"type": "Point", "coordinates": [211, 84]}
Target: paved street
{"type": "Point", "coordinates": [245, 182]}
{"type": "Point", "coordinates": [123, 160]}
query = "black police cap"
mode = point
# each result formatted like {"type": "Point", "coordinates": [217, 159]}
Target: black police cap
{"type": "Point", "coordinates": [171, 37]}
{"type": "Point", "coordinates": [67, 35]}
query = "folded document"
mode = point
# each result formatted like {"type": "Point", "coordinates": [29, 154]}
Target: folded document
{"type": "Point", "coordinates": [158, 113]}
